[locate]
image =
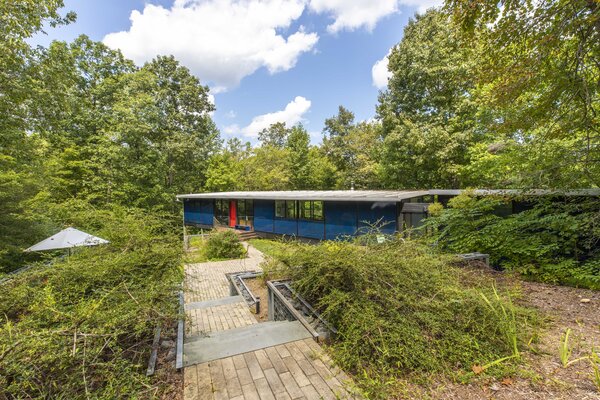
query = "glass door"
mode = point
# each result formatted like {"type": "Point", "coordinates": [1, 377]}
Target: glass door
{"type": "Point", "coordinates": [222, 212]}
{"type": "Point", "coordinates": [245, 213]}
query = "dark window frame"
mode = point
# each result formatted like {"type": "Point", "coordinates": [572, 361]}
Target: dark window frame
{"type": "Point", "coordinates": [221, 210]}
{"type": "Point", "coordinates": [311, 216]}
{"type": "Point", "coordinates": [276, 214]}
{"type": "Point", "coordinates": [286, 209]}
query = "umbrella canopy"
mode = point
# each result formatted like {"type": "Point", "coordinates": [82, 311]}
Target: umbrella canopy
{"type": "Point", "coordinates": [66, 239]}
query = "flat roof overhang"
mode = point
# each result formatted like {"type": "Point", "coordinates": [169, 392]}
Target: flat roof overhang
{"type": "Point", "coordinates": [377, 195]}
{"type": "Point", "coordinates": [324, 195]}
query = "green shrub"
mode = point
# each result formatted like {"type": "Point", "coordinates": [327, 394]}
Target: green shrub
{"type": "Point", "coordinates": [223, 245]}
{"type": "Point", "coordinates": [83, 326]}
{"type": "Point", "coordinates": [556, 241]}
{"type": "Point", "coordinates": [404, 312]}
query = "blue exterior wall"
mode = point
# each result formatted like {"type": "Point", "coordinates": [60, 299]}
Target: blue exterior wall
{"type": "Point", "coordinates": [340, 219]}
{"type": "Point", "coordinates": [311, 229]}
{"type": "Point", "coordinates": [285, 226]}
{"type": "Point", "coordinates": [370, 213]}
{"type": "Point", "coordinates": [263, 215]}
{"type": "Point", "coordinates": [198, 211]}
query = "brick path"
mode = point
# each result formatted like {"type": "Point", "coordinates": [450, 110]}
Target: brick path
{"type": "Point", "coordinates": [295, 370]}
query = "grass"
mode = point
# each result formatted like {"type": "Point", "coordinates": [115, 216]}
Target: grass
{"type": "Point", "coordinates": [406, 314]}
{"type": "Point", "coordinates": [595, 361]}
{"type": "Point", "coordinates": [274, 248]}
{"type": "Point", "coordinates": [564, 350]}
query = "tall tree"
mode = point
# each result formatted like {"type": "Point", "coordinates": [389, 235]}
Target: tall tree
{"type": "Point", "coordinates": [429, 113]}
{"type": "Point", "coordinates": [298, 144]}
{"type": "Point", "coordinates": [354, 149]}
{"type": "Point", "coordinates": [540, 73]}
{"type": "Point", "coordinates": [335, 132]}
{"type": "Point", "coordinates": [275, 135]}
{"type": "Point", "coordinates": [21, 157]}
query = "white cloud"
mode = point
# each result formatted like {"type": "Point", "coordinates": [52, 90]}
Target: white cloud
{"type": "Point", "coordinates": [380, 73]}
{"type": "Point", "coordinates": [291, 115]}
{"type": "Point", "coordinates": [354, 14]}
{"type": "Point", "coordinates": [231, 129]}
{"type": "Point", "coordinates": [422, 5]}
{"type": "Point", "coordinates": [221, 41]}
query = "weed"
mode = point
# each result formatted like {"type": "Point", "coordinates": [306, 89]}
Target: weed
{"type": "Point", "coordinates": [564, 350]}
{"type": "Point", "coordinates": [595, 361]}
{"type": "Point", "coordinates": [505, 312]}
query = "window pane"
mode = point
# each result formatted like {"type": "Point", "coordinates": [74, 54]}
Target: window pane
{"type": "Point", "coordinates": [225, 207]}
{"type": "Point", "coordinates": [241, 208]}
{"type": "Point", "coordinates": [291, 209]}
{"type": "Point", "coordinates": [305, 210]}
{"type": "Point", "coordinates": [318, 210]}
{"type": "Point", "coordinates": [250, 208]}
{"type": "Point", "coordinates": [280, 209]}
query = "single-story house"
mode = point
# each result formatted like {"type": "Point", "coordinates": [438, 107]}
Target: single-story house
{"type": "Point", "coordinates": [327, 214]}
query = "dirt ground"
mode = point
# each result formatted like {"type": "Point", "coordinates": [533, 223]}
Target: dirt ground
{"type": "Point", "coordinates": [167, 381]}
{"type": "Point", "coordinates": [259, 289]}
{"type": "Point", "coordinates": [562, 307]}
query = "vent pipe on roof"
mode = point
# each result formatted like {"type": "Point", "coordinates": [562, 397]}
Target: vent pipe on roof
{"type": "Point", "coordinates": [352, 185]}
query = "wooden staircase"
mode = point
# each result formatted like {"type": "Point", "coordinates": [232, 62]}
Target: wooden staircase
{"type": "Point", "coordinates": [246, 235]}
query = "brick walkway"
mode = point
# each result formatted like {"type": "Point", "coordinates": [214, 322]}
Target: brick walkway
{"type": "Point", "coordinates": [294, 370]}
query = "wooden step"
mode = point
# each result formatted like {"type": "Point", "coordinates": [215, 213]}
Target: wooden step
{"type": "Point", "coordinates": [248, 235]}
{"type": "Point", "coordinates": [221, 344]}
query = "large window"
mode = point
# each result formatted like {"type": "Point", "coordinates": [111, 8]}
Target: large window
{"type": "Point", "coordinates": [245, 212]}
{"type": "Point", "coordinates": [279, 209]}
{"type": "Point", "coordinates": [290, 209]}
{"type": "Point", "coordinates": [286, 209]}
{"type": "Point", "coordinates": [311, 210]}
{"type": "Point", "coordinates": [222, 211]}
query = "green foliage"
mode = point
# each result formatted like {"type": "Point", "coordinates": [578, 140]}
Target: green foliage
{"type": "Point", "coordinates": [83, 325]}
{"type": "Point", "coordinates": [224, 245]}
{"type": "Point", "coordinates": [78, 120]}
{"type": "Point", "coordinates": [554, 239]}
{"type": "Point", "coordinates": [403, 312]}
{"type": "Point", "coordinates": [273, 248]}
{"type": "Point", "coordinates": [275, 135]}
{"type": "Point", "coordinates": [429, 110]}
{"type": "Point", "coordinates": [564, 350]}
{"type": "Point", "coordinates": [423, 156]}
{"type": "Point", "coordinates": [595, 361]}
{"type": "Point", "coordinates": [285, 161]}
{"type": "Point", "coordinates": [539, 74]}
{"type": "Point", "coordinates": [354, 149]}
{"type": "Point", "coordinates": [21, 154]}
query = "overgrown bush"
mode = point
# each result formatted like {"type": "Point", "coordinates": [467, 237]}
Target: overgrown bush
{"type": "Point", "coordinates": [83, 326]}
{"type": "Point", "coordinates": [224, 244]}
{"type": "Point", "coordinates": [554, 240]}
{"type": "Point", "coordinates": [403, 312]}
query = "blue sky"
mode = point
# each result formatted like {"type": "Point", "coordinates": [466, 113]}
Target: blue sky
{"type": "Point", "coordinates": [265, 60]}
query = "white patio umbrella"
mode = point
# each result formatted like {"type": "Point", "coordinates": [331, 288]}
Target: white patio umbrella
{"type": "Point", "coordinates": [67, 239]}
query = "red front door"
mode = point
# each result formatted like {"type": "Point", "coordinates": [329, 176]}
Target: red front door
{"type": "Point", "coordinates": [232, 213]}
